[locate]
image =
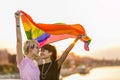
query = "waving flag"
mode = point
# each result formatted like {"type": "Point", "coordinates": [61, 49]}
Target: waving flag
{"type": "Point", "coordinates": [48, 33]}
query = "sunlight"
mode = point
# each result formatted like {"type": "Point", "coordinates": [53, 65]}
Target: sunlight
{"type": "Point", "coordinates": [75, 76]}
{"type": "Point", "coordinates": [101, 73]}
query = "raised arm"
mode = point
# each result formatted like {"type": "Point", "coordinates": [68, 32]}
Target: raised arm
{"type": "Point", "coordinates": [64, 55]}
{"type": "Point", "coordinates": [18, 37]}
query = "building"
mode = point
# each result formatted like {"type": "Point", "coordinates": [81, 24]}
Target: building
{"type": "Point", "coordinates": [4, 57]}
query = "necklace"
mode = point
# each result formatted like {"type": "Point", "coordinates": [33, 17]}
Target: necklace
{"type": "Point", "coordinates": [43, 74]}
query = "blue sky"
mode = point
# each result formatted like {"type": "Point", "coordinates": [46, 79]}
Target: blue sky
{"type": "Point", "coordinates": [100, 18]}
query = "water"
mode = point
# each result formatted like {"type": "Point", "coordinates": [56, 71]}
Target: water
{"type": "Point", "coordinates": [102, 73]}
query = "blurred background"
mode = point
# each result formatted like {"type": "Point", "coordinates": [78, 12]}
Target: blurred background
{"type": "Point", "coordinates": [100, 18]}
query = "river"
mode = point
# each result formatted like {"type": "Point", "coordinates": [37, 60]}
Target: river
{"type": "Point", "coordinates": [101, 73]}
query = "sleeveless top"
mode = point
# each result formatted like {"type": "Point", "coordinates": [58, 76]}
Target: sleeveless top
{"type": "Point", "coordinates": [52, 73]}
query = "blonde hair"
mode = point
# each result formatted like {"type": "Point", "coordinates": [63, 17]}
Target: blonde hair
{"type": "Point", "coordinates": [28, 44]}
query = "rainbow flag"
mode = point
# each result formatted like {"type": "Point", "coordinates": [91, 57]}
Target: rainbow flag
{"type": "Point", "coordinates": [48, 33]}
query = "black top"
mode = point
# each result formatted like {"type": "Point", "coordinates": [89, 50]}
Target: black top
{"type": "Point", "coordinates": [53, 72]}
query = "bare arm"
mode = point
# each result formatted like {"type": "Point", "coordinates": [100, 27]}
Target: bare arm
{"type": "Point", "coordinates": [18, 37]}
{"type": "Point", "coordinates": [66, 52]}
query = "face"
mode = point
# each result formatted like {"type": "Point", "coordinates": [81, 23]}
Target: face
{"type": "Point", "coordinates": [45, 53]}
{"type": "Point", "coordinates": [34, 50]}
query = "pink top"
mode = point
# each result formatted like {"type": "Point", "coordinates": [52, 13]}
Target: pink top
{"type": "Point", "coordinates": [28, 70]}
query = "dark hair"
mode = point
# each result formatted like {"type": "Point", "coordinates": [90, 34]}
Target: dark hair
{"type": "Point", "coordinates": [52, 49]}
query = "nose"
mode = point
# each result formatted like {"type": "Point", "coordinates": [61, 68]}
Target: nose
{"type": "Point", "coordinates": [41, 54]}
{"type": "Point", "coordinates": [37, 50]}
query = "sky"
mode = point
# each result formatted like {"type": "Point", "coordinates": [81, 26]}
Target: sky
{"type": "Point", "coordinates": [100, 18]}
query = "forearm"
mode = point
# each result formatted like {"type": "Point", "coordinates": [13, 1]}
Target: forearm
{"type": "Point", "coordinates": [70, 48]}
{"type": "Point", "coordinates": [18, 30]}
{"type": "Point", "coordinates": [18, 38]}
{"type": "Point", "coordinates": [19, 41]}
{"type": "Point", "coordinates": [17, 18]}
{"type": "Point", "coordinates": [66, 52]}
{"type": "Point", "coordinates": [18, 35]}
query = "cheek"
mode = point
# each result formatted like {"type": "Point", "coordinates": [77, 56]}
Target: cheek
{"type": "Point", "coordinates": [41, 54]}
{"type": "Point", "coordinates": [36, 50]}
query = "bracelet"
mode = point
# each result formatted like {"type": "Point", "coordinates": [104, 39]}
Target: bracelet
{"type": "Point", "coordinates": [17, 25]}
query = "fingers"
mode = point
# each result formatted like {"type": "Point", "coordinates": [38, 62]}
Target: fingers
{"type": "Point", "coordinates": [17, 17]}
{"type": "Point", "coordinates": [80, 36]}
{"type": "Point", "coordinates": [17, 14]}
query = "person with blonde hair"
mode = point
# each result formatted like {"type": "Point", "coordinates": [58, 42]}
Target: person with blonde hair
{"type": "Point", "coordinates": [26, 62]}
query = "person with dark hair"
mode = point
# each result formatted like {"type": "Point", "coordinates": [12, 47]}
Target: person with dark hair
{"type": "Point", "coordinates": [26, 62]}
{"type": "Point", "coordinates": [50, 66]}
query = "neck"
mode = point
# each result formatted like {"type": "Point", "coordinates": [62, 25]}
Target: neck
{"type": "Point", "coordinates": [29, 56]}
{"type": "Point", "coordinates": [47, 60]}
